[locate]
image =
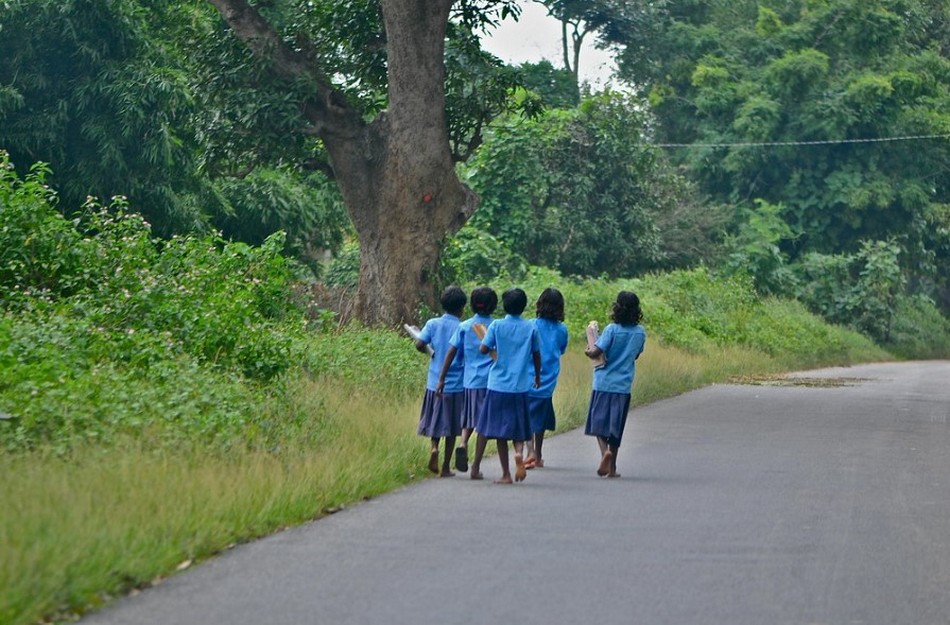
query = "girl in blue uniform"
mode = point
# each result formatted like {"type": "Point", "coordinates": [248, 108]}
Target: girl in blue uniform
{"type": "Point", "coordinates": [441, 412]}
{"type": "Point", "coordinates": [621, 343]}
{"type": "Point", "coordinates": [553, 334]}
{"type": "Point", "coordinates": [504, 415]}
{"type": "Point", "coordinates": [463, 346]}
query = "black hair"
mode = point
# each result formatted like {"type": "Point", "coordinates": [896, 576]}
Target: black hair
{"type": "Point", "coordinates": [627, 308]}
{"type": "Point", "coordinates": [550, 305]}
{"type": "Point", "coordinates": [453, 300]}
{"type": "Point", "coordinates": [484, 300]}
{"type": "Point", "coordinates": [514, 301]}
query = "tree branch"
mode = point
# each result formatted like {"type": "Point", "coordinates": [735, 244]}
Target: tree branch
{"type": "Point", "coordinates": [327, 110]}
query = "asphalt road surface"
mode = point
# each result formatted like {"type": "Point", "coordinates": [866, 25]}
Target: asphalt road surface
{"type": "Point", "coordinates": [739, 504]}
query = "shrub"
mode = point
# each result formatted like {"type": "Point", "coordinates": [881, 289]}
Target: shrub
{"type": "Point", "coordinates": [105, 329]}
{"type": "Point", "coordinates": [919, 329]}
{"type": "Point", "coordinates": [477, 256]}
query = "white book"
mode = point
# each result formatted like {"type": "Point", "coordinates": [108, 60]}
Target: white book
{"type": "Point", "coordinates": [414, 332]}
{"type": "Point", "coordinates": [593, 333]}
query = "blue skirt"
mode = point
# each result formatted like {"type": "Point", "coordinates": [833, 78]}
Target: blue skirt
{"type": "Point", "coordinates": [441, 415]}
{"type": "Point", "coordinates": [504, 416]}
{"type": "Point", "coordinates": [607, 415]}
{"type": "Point", "coordinates": [472, 406]}
{"type": "Point", "coordinates": [541, 412]}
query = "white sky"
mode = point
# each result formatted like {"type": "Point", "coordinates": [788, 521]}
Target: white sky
{"type": "Point", "coordinates": [537, 36]}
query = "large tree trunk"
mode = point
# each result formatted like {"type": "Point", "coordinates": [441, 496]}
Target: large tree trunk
{"type": "Point", "coordinates": [418, 198]}
{"type": "Point", "coordinates": [396, 174]}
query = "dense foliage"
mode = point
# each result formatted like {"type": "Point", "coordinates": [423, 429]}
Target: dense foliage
{"type": "Point", "coordinates": [87, 87]}
{"type": "Point", "coordinates": [699, 312]}
{"type": "Point", "coordinates": [853, 73]}
{"type": "Point", "coordinates": [577, 190]}
{"type": "Point", "coordinates": [98, 315]}
{"type": "Point", "coordinates": [109, 93]}
{"type": "Point", "coordinates": [107, 332]}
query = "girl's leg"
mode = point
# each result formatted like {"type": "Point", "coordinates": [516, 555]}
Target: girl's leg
{"type": "Point", "coordinates": [480, 443]}
{"type": "Point", "coordinates": [538, 443]}
{"type": "Point", "coordinates": [614, 447]}
{"type": "Point", "coordinates": [434, 455]}
{"type": "Point", "coordinates": [461, 453]}
{"type": "Point", "coordinates": [503, 459]}
{"type": "Point", "coordinates": [529, 457]}
{"type": "Point", "coordinates": [520, 469]}
{"type": "Point", "coordinates": [606, 457]}
{"type": "Point", "coordinates": [447, 463]}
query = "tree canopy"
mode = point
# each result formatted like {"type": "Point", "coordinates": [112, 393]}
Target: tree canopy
{"type": "Point", "coordinates": [805, 105]}
{"type": "Point", "coordinates": [580, 190]}
{"type": "Point", "coordinates": [89, 87]}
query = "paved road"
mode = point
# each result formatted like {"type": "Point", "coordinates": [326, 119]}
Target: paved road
{"type": "Point", "coordinates": [738, 505]}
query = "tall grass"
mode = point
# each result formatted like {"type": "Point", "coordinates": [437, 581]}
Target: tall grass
{"type": "Point", "coordinates": [75, 531]}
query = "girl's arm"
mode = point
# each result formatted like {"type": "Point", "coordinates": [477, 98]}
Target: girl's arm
{"type": "Point", "coordinates": [449, 357]}
{"type": "Point", "coordinates": [593, 352]}
{"type": "Point", "coordinates": [421, 345]}
{"type": "Point", "coordinates": [596, 348]}
{"type": "Point", "coordinates": [488, 341]}
{"type": "Point", "coordinates": [536, 356]}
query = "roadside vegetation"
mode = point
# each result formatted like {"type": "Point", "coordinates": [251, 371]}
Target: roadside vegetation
{"type": "Point", "coordinates": [163, 400]}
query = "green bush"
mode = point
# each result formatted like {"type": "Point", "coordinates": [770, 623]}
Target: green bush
{"type": "Point", "coordinates": [106, 330]}
{"type": "Point", "coordinates": [477, 256]}
{"type": "Point", "coordinates": [39, 250]}
{"type": "Point", "coordinates": [344, 269]}
{"type": "Point", "coordinates": [698, 311]}
{"type": "Point", "coordinates": [859, 290]}
{"type": "Point", "coordinates": [919, 329]}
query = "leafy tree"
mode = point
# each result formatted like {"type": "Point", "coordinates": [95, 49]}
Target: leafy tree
{"type": "Point", "coordinates": [105, 91]}
{"type": "Point", "coordinates": [557, 88]}
{"type": "Point", "coordinates": [368, 80]}
{"type": "Point", "coordinates": [577, 190]}
{"type": "Point", "coordinates": [609, 21]}
{"type": "Point", "coordinates": [756, 248]}
{"type": "Point", "coordinates": [85, 85]}
{"type": "Point", "coordinates": [747, 72]}
{"type": "Point", "coordinates": [861, 290]}
{"type": "Point", "coordinates": [306, 206]}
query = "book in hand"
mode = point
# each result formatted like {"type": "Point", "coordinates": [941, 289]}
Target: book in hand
{"type": "Point", "coordinates": [414, 331]}
{"type": "Point", "coordinates": [593, 333]}
{"type": "Point", "coordinates": [479, 329]}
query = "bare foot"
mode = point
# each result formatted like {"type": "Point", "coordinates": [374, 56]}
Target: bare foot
{"type": "Point", "coordinates": [539, 463]}
{"type": "Point", "coordinates": [434, 460]}
{"type": "Point", "coordinates": [446, 473]}
{"type": "Point", "coordinates": [520, 471]}
{"type": "Point", "coordinates": [604, 467]}
{"type": "Point", "coordinates": [503, 480]}
{"type": "Point", "coordinates": [477, 475]}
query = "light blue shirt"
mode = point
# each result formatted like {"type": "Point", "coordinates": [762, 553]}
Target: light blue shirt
{"type": "Point", "coordinates": [437, 333]}
{"type": "Point", "coordinates": [476, 364]}
{"type": "Point", "coordinates": [622, 345]}
{"type": "Point", "coordinates": [515, 340]}
{"type": "Point", "coordinates": [553, 345]}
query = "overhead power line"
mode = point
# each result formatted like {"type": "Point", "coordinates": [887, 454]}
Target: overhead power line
{"type": "Point", "coordinates": [764, 144]}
